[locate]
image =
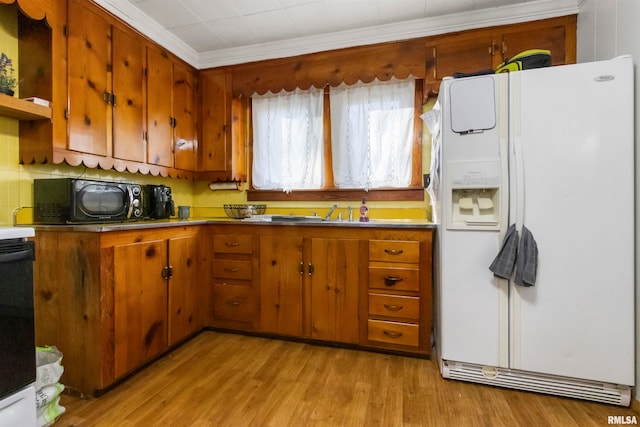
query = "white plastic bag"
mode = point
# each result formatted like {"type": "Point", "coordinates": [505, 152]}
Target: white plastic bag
{"type": "Point", "coordinates": [47, 394]}
{"type": "Point", "coordinates": [49, 367]}
{"type": "Point", "coordinates": [50, 413]}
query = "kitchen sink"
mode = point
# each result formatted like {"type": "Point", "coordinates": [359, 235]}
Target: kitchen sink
{"type": "Point", "coordinates": [296, 218]}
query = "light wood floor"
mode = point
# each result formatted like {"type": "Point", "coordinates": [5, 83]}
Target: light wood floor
{"type": "Point", "coordinates": [219, 379]}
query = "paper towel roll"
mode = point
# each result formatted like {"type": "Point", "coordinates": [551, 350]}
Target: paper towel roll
{"type": "Point", "coordinates": [224, 186]}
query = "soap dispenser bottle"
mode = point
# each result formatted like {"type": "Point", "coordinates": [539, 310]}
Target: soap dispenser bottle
{"type": "Point", "coordinates": [364, 211]}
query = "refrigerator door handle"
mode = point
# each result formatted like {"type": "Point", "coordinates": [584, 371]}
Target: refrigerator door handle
{"type": "Point", "coordinates": [519, 184]}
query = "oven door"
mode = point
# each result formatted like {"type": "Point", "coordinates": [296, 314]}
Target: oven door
{"type": "Point", "coordinates": [17, 336]}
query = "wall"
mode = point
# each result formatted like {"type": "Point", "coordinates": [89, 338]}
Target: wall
{"type": "Point", "coordinates": [608, 28]}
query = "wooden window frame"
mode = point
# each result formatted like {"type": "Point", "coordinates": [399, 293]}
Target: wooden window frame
{"type": "Point", "coordinates": [414, 192]}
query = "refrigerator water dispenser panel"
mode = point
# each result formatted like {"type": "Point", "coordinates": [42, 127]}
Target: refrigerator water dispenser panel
{"type": "Point", "coordinates": [474, 201]}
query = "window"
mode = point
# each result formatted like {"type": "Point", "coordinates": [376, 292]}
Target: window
{"type": "Point", "coordinates": [288, 140]}
{"type": "Point", "coordinates": [366, 141]}
{"type": "Point", "coordinates": [372, 134]}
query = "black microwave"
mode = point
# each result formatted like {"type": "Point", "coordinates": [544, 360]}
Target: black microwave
{"type": "Point", "coordinates": [69, 200]}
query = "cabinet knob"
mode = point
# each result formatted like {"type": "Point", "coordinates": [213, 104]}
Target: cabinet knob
{"type": "Point", "coordinates": [231, 244]}
{"type": "Point", "coordinates": [391, 307]}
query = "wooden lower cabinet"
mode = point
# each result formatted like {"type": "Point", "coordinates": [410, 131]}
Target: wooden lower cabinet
{"type": "Point", "coordinates": [334, 284]}
{"type": "Point", "coordinates": [139, 303]}
{"type": "Point", "coordinates": [111, 301]}
{"type": "Point", "coordinates": [281, 278]}
{"type": "Point", "coordinates": [230, 296]}
{"type": "Point", "coordinates": [398, 293]}
{"type": "Point", "coordinates": [364, 286]}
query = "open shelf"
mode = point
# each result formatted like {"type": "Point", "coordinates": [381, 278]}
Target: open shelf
{"type": "Point", "coordinates": [22, 110]}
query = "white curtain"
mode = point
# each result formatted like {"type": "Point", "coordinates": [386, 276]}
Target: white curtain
{"type": "Point", "coordinates": [372, 134]}
{"type": "Point", "coordinates": [288, 140]}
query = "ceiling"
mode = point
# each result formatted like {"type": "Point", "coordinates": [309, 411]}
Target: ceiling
{"type": "Point", "coordinates": [219, 32]}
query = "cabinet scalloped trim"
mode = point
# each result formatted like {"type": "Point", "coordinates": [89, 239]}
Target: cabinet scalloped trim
{"type": "Point", "coordinates": [34, 9]}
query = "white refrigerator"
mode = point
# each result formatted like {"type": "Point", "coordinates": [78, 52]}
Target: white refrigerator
{"type": "Point", "coordinates": [549, 151]}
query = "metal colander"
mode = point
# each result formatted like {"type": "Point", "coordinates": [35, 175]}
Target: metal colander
{"type": "Point", "coordinates": [244, 211]}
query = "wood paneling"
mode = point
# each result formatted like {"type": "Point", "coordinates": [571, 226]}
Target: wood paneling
{"type": "Point", "coordinates": [365, 63]}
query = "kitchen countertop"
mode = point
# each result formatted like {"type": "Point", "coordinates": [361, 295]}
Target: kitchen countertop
{"type": "Point", "coordinates": [140, 225]}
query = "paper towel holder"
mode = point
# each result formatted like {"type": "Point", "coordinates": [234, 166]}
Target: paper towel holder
{"type": "Point", "coordinates": [227, 185]}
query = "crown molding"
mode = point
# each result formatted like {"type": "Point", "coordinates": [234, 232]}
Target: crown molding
{"type": "Point", "coordinates": [151, 29]}
{"type": "Point", "coordinates": [521, 12]}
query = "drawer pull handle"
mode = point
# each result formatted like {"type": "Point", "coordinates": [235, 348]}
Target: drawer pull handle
{"type": "Point", "coordinates": [232, 244]}
{"type": "Point", "coordinates": [391, 280]}
{"type": "Point", "coordinates": [393, 307]}
{"type": "Point", "coordinates": [233, 303]}
{"type": "Point", "coordinates": [231, 270]}
{"type": "Point", "coordinates": [392, 334]}
{"type": "Point", "coordinates": [394, 251]}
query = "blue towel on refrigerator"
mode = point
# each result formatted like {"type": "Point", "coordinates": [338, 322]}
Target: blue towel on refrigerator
{"type": "Point", "coordinates": [502, 266]}
{"type": "Point", "coordinates": [527, 260]}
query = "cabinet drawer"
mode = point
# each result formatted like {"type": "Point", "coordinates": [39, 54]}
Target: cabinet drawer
{"type": "Point", "coordinates": [233, 243]}
{"type": "Point", "coordinates": [232, 303]}
{"type": "Point", "coordinates": [401, 279]}
{"type": "Point", "coordinates": [394, 332]}
{"type": "Point", "coordinates": [394, 251]}
{"type": "Point", "coordinates": [232, 269]}
{"type": "Point", "coordinates": [394, 306]}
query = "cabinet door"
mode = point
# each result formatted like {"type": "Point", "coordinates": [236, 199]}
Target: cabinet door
{"type": "Point", "coordinates": [140, 303]}
{"type": "Point", "coordinates": [281, 285]}
{"type": "Point", "coordinates": [334, 289]}
{"type": "Point", "coordinates": [88, 61]}
{"type": "Point", "coordinates": [457, 54]}
{"type": "Point", "coordinates": [185, 113]}
{"type": "Point", "coordinates": [183, 288]}
{"type": "Point", "coordinates": [214, 151]}
{"type": "Point", "coordinates": [128, 84]}
{"type": "Point", "coordinates": [159, 110]}
{"type": "Point", "coordinates": [549, 38]}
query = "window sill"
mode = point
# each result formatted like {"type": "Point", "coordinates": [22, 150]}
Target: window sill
{"type": "Point", "coordinates": [330, 195]}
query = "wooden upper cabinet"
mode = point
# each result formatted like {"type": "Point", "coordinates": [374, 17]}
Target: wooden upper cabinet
{"type": "Point", "coordinates": [185, 108]}
{"type": "Point", "coordinates": [557, 39]}
{"type": "Point", "coordinates": [171, 111]}
{"type": "Point", "coordinates": [215, 137]}
{"type": "Point", "coordinates": [159, 107]}
{"type": "Point", "coordinates": [461, 54]}
{"type": "Point", "coordinates": [106, 84]}
{"type": "Point", "coordinates": [88, 56]}
{"type": "Point", "coordinates": [477, 50]}
{"type": "Point", "coordinates": [128, 102]}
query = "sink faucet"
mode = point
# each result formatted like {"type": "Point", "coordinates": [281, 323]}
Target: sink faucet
{"type": "Point", "coordinates": [333, 208]}
{"type": "Point", "coordinates": [350, 214]}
